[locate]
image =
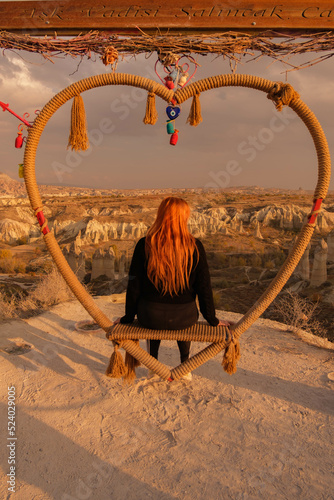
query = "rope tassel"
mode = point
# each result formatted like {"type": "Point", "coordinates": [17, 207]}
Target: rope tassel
{"type": "Point", "coordinates": [151, 114]}
{"type": "Point", "coordinates": [78, 139]}
{"type": "Point", "coordinates": [131, 363]}
{"type": "Point", "coordinates": [231, 357]}
{"type": "Point", "coordinates": [195, 117]}
{"type": "Point", "coordinates": [116, 367]}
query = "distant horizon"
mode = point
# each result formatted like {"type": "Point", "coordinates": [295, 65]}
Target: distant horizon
{"type": "Point", "coordinates": [241, 186]}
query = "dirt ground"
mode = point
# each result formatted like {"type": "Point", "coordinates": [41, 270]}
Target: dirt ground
{"type": "Point", "coordinates": [265, 432]}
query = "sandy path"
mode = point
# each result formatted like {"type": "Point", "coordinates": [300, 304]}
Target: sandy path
{"type": "Point", "coordinates": [266, 432]}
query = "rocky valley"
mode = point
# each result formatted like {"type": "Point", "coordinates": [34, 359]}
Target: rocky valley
{"type": "Point", "coordinates": [247, 233]}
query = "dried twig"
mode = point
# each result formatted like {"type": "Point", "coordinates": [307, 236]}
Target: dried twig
{"type": "Point", "coordinates": [231, 45]}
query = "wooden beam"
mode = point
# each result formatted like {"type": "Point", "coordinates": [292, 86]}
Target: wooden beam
{"type": "Point", "coordinates": [126, 16]}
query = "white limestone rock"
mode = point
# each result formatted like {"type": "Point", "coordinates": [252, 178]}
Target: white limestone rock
{"type": "Point", "coordinates": [97, 264]}
{"type": "Point", "coordinates": [11, 231]}
{"type": "Point", "coordinates": [319, 270]}
{"type": "Point", "coordinates": [303, 268]}
{"type": "Point", "coordinates": [330, 243]}
{"type": "Point", "coordinates": [257, 231]}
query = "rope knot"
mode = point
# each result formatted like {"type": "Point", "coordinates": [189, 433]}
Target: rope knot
{"type": "Point", "coordinates": [167, 58]}
{"type": "Point", "coordinates": [282, 94]}
{"type": "Point", "coordinates": [110, 56]}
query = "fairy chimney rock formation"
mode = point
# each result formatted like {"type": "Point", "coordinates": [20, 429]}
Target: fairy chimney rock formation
{"type": "Point", "coordinates": [97, 264]}
{"type": "Point", "coordinates": [78, 239]}
{"type": "Point", "coordinates": [257, 232]}
{"type": "Point", "coordinates": [75, 259]}
{"type": "Point", "coordinates": [319, 270]}
{"type": "Point", "coordinates": [109, 263]}
{"type": "Point", "coordinates": [303, 268]}
{"type": "Point", "coordinates": [322, 223]}
{"type": "Point", "coordinates": [72, 256]}
{"type": "Point", "coordinates": [330, 243]}
{"type": "Point", "coordinates": [81, 271]}
{"type": "Point", "coordinates": [122, 261]}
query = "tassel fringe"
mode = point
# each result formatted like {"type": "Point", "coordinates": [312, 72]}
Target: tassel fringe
{"type": "Point", "coordinates": [78, 139]}
{"type": "Point", "coordinates": [116, 367]}
{"type": "Point", "coordinates": [131, 363]}
{"type": "Point", "coordinates": [195, 117]}
{"type": "Point", "coordinates": [151, 114]}
{"type": "Point", "coordinates": [231, 357]}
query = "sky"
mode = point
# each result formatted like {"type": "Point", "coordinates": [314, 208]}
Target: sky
{"type": "Point", "coordinates": [242, 141]}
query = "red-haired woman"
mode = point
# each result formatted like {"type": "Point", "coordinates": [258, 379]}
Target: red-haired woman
{"type": "Point", "coordinates": [168, 270]}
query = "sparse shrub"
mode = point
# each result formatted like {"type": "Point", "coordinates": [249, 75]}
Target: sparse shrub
{"type": "Point", "coordinates": [223, 283]}
{"type": "Point", "coordinates": [89, 263]}
{"type": "Point", "coordinates": [224, 306]}
{"type": "Point", "coordinates": [19, 266]}
{"type": "Point", "coordinates": [242, 262]}
{"type": "Point", "coordinates": [6, 254]}
{"type": "Point", "coordinates": [37, 251]}
{"type": "Point", "coordinates": [216, 298]}
{"type": "Point", "coordinates": [279, 257]}
{"type": "Point", "coordinates": [268, 264]}
{"type": "Point", "coordinates": [46, 267]}
{"type": "Point", "coordinates": [22, 241]}
{"type": "Point", "coordinates": [298, 313]}
{"type": "Point", "coordinates": [233, 261]}
{"type": "Point", "coordinates": [256, 261]}
{"type": "Point", "coordinates": [316, 297]}
{"type": "Point", "coordinates": [7, 307]}
{"type": "Point", "coordinates": [220, 260]}
{"type": "Point", "coordinates": [10, 264]}
{"type": "Point", "coordinates": [7, 265]}
{"type": "Point", "coordinates": [51, 290]}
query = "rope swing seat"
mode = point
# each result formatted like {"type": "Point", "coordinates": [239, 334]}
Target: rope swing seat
{"type": "Point", "coordinates": [127, 336]}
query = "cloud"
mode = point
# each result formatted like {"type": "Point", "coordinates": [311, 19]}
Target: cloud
{"type": "Point", "coordinates": [133, 155]}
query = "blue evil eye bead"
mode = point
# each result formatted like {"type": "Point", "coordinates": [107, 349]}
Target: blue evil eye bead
{"type": "Point", "coordinates": [173, 112]}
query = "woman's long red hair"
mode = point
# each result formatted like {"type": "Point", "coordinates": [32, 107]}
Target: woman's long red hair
{"type": "Point", "coordinates": [170, 248]}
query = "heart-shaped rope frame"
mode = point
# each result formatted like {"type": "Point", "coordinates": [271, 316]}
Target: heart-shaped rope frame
{"type": "Point", "coordinates": [281, 94]}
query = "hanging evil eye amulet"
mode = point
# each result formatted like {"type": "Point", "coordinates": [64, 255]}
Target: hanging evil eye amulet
{"type": "Point", "coordinates": [173, 112]}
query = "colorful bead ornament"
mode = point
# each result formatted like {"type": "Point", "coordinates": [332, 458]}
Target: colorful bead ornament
{"type": "Point", "coordinates": [177, 75]}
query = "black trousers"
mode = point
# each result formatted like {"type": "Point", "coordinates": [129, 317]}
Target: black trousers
{"type": "Point", "coordinates": [160, 316]}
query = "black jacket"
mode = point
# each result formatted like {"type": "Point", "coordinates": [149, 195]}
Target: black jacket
{"type": "Point", "coordinates": [139, 286]}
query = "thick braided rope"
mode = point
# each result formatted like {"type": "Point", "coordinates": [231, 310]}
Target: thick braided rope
{"type": "Point", "coordinates": [302, 110]}
{"type": "Point", "coordinates": [180, 96]}
{"type": "Point", "coordinates": [65, 95]}
{"type": "Point", "coordinates": [200, 332]}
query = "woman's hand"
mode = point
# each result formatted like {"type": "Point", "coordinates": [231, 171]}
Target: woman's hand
{"type": "Point", "coordinates": [117, 320]}
{"type": "Point", "coordinates": [225, 323]}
